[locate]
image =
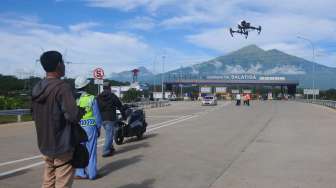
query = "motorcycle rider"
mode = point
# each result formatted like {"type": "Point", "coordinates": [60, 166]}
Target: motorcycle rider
{"type": "Point", "coordinates": [108, 103]}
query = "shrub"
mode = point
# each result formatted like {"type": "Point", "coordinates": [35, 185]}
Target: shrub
{"type": "Point", "coordinates": [132, 95]}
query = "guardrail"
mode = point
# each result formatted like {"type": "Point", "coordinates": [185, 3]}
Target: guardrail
{"type": "Point", "coordinates": [152, 104]}
{"type": "Point", "coordinates": [20, 112]}
{"type": "Point", "coordinates": [327, 103]}
{"type": "Point", "coordinates": [17, 112]}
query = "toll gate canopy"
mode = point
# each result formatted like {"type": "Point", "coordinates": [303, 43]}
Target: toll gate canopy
{"type": "Point", "coordinates": [238, 81]}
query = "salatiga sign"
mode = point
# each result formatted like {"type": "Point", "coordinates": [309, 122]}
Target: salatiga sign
{"type": "Point", "coordinates": [245, 77]}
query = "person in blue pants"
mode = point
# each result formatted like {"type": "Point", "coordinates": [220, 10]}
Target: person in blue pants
{"type": "Point", "coordinates": [91, 123]}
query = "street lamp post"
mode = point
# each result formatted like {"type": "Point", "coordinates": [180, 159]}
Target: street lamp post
{"type": "Point", "coordinates": [313, 47]}
{"type": "Point", "coordinates": [154, 76]}
{"type": "Point", "coordinates": [181, 86]}
{"type": "Point", "coordinates": [162, 76]}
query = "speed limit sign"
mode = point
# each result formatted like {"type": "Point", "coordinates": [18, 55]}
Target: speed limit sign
{"type": "Point", "coordinates": [98, 73]}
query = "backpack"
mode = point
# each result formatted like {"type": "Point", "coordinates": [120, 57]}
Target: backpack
{"type": "Point", "coordinates": [80, 158]}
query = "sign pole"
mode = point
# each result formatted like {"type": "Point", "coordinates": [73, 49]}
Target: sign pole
{"type": "Point", "coordinates": [98, 75]}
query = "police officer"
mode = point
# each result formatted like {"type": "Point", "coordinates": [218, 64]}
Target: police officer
{"type": "Point", "coordinates": [91, 122]}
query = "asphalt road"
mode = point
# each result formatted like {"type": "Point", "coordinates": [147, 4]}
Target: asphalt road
{"type": "Point", "coordinates": [269, 144]}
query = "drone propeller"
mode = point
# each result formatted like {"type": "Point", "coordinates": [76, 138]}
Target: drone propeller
{"type": "Point", "coordinates": [231, 32]}
{"type": "Point", "coordinates": [259, 30]}
{"type": "Point", "coordinates": [246, 34]}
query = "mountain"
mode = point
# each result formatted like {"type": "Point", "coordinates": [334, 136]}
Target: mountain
{"type": "Point", "coordinates": [254, 60]}
{"type": "Point", "coordinates": [126, 76]}
{"type": "Point", "coordinates": [248, 60]}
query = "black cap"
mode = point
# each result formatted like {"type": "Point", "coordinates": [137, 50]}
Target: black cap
{"type": "Point", "coordinates": [50, 59]}
{"type": "Point", "coordinates": [106, 85]}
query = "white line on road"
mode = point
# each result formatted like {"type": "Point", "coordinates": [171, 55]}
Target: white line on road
{"type": "Point", "coordinates": [20, 160]}
{"type": "Point", "coordinates": [154, 127]}
{"type": "Point", "coordinates": [151, 129]}
{"type": "Point", "coordinates": [20, 169]}
{"type": "Point", "coordinates": [172, 123]}
{"type": "Point", "coordinates": [29, 158]}
{"type": "Point", "coordinates": [163, 116]}
{"type": "Point", "coordinates": [172, 120]}
{"type": "Point", "coordinates": [100, 140]}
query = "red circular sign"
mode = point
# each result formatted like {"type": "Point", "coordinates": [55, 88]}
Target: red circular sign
{"type": "Point", "coordinates": [98, 73]}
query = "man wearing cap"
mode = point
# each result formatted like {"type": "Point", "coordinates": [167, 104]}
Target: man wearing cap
{"type": "Point", "coordinates": [54, 111]}
{"type": "Point", "coordinates": [91, 122]}
{"type": "Point", "coordinates": [108, 103]}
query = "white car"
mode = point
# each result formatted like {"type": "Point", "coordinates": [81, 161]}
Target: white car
{"type": "Point", "coordinates": [209, 100]}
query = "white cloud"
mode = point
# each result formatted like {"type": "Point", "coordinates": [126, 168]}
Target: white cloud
{"type": "Point", "coordinates": [84, 26]}
{"type": "Point", "coordinates": [19, 23]}
{"type": "Point", "coordinates": [127, 5]}
{"type": "Point", "coordinates": [217, 64]}
{"type": "Point", "coordinates": [85, 48]}
{"type": "Point", "coordinates": [22, 38]}
{"type": "Point", "coordinates": [111, 51]}
{"type": "Point", "coordinates": [124, 5]}
{"type": "Point", "coordinates": [282, 21]}
{"type": "Point", "coordinates": [238, 69]}
{"type": "Point", "coordinates": [285, 70]}
{"type": "Point", "coordinates": [140, 23]}
{"type": "Point", "coordinates": [181, 20]}
{"type": "Point", "coordinates": [258, 69]}
{"type": "Point", "coordinates": [175, 59]}
{"type": "Point", "coordinates": [279, 32]}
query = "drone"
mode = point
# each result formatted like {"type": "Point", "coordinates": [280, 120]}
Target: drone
{"type": "Point", "coordinates": [244, 28]}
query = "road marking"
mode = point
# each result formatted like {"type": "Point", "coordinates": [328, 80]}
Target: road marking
{"type": "Point", "coordinates": [172, 123]}
{"type": "Point", "coordinates": [20, 160]}
{"type": "Point", "coordinates": [100, 140]}
{"type": "Point", "coordinates": [26, 123]}
{"type": "Point", "coordinates": [42, 162]}
{"type": "Point", "coordinates": [151, 129]}
{"type": "Point", "coordinates": [31, 158]}
{"type": "Point", "coordinates": [152, 126]}
{"type": "Point", "coordinates": [20, 169]}
{"type": "Point", "coordinates": [163, 116]}
{"type": "Point", "coordinates": [172, 120]}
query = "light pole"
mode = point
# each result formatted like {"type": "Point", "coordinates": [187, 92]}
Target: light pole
{"type": "Point", "coordinates": [154, 76]}
{"type": "Point", "coordinates": [162, 76]}
{"type": "Point", "coordinates": [313, 61]}
{"type": "Point", "coordinates": [181, 86]}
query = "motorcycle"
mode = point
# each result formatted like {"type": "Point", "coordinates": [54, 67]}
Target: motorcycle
{"type": "Point", "coordinates": [134, 125]}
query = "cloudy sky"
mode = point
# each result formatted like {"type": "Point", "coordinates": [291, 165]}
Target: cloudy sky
{"type": "Point", "coordinates": [120, 35]}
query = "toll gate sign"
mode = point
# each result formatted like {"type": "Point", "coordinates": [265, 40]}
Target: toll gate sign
{"type": "Point", "coordinates": [205, 89]}
{"type": "Point", "coordinates": [220, 89]}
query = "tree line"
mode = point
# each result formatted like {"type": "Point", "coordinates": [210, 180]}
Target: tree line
{"type": "Point", "coordinates": [16, 93]}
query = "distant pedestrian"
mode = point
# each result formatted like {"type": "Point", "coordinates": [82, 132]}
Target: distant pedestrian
{"type": "Point", "coordinates": [54, 110]}
{"type": "Point", "coordinates": [244, 99]}
{"type": "Point", "coordinates": [238, 98]}
{"type": "Point", "coordinates": [91, 122]}
{"type": "Point", "coordinates": [248, 98]}
{"type": "Point", "coordinates": [108, 103]}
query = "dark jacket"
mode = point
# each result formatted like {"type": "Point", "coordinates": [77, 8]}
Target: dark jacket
{"type": "Point", "coordinates": [108, 103]}
{"type": "Point", "coordinates": [54, 110]}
